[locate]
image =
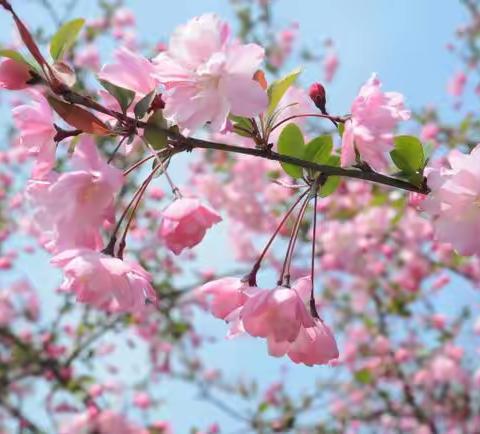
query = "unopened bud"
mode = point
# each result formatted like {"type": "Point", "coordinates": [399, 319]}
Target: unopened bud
{"type": "Point", "coordinates": [318, 96]}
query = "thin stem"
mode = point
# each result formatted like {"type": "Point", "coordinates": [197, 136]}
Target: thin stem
{"type": "Point", "coordinates": [310, 115]}
{"type": "Point", "coordinates": [252, 276]}
{"type": "Point", "coordinates": [313, 307]}
{"type": "Point", "coordinates": [120, 143]}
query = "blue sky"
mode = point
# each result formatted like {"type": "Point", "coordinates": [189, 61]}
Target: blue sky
{"type": "Point", "coordinates": [403, 41]}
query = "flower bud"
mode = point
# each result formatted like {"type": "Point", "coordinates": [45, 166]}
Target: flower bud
{"type": "Point", "coordinates": [318, 96]}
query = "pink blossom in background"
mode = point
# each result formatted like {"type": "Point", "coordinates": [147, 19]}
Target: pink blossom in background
{"type": "Point", "coordinates": [185, 222]}
{"type": "Point", "coordinates": [456, 84]}
{"type": "Point", "coordinates": [208, 76]}
{"type": "Point", "coordinates": [100, 422]}
{"type": "Point", "coordinates": [13, 75]}
{"type": "Point", "coordinates": [454, 201]}
{"type": "Point", "coordinates": [104, 281]}
{"type": "Point", "coordinates": [130, 71]}
{"type": "Point", "coordinates": [370, 131]}
{"type": "Point", "coordinates": [35, 124]}
{"type": "Point", "coordinates": [88, 57]}
{"type": "Point", "coordinates": [73, 206]}
{"type": "Point", "coordinates": [330, 66]}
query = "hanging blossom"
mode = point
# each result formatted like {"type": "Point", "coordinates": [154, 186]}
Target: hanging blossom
{"type": "Point", "coordinates": [208, 75]}
{"type": "Point", "coordinates": [104, 281]}
{"type": "Point", "coordinates": [375, 115]}
{"type": "Point", "coordinates": [454, 201]}
{"type": "Point", "coordinates": [72, 207]}
{"type": "Point", "coordinates": [279, 315]}
{"type": "Point", "coordinates": [185, 222]}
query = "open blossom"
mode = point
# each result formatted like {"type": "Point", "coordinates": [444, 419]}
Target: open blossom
{"type": "Point", "coordinates": [375, 115]}
{"type": "Point", "coordinates": [130, 71]}
{"type": "Point", "coordinates": [35, 124]}
{"type": "Point", "coordinates": [72, 207]}
{"type": "Point", "coordinates": [223, 296]}
{"type": "Point", "coordinates": [208, 76]}
{"type": "Point", "coordinates": [280, 316]}
{"type": "Point", "coordinates": [104, 281]}
{"type": "Point", "coordinates": [13, 75]}
{"type": "Point", "coordinates": [104, 422]}
{"type": "Point", "coordinates": [185, 222]}
{"type": "Point", "coordinates": [454, 201]}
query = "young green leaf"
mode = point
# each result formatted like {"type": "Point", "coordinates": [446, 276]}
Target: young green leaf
{"type": "Point", "coordinates": [408, 154]}
{"type": "Point", "coordinates": [124, 96]}
{"type": "Point", "coordinates": [319, 149]}
{"type": "Point", "coordinates": [154, 133]}
{"type": "Point", "coordinates": [241, 125]}
{"type": "Point", "coordinates": [142, 106]}
{"type": "Point", "coordinates": [291, 143]}
{"type": "Point", "coordinates": [278, 88]}
{"type": "Point", "coordinates": [332, 182]}
{"type": "Point", "coordinates": [65, 37]}
{"type": "Point", "coordinates": [14, 55]}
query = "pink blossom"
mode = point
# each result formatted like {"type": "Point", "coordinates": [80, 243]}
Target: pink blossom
{"type": "Point", "coordinates": [456, 84]}
{"type": "Point", "coordinates": [375, 115]}
{"type": "Point", "coordinates": [222, 296]}
{"type": "Point", "coordinates": [142, 400]}
{"type": "Point", "coordinates": [104, 281]}
{"type": "Point", "coordinates": [130, 71]}
{"type": "Point", "coordinates": [185, 222]}
{"type": "Point", "coordinates": [454, 201]}
{"type": "Point", "coordinates": [72, 207]}
{"type": "Point", "coordinates": [123, 17]}
{"type": "Point", "coordinates": [330, 66]}
{"type": "Point", "coordinates": [13, 75]}
{"type": "Point", "coordinates": [208, 76]}
{"type": "Point", "coordinates": [88, 57]}
{"type": "Point", "coordinates": [35, 124]}
{"type": "Point", "coordinates": [103, 422]}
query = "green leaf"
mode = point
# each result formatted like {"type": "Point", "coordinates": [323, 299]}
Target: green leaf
{"type": "Point", "coordinates": [319, 149]}
{"type": "Point", "coordinates": [241, 124]}
{"type": "Point", "coordinates": [408, 154]}
{"type": "Point", "coordinates": [341, 128]}
{"type": "Point", "coordinates": [278, 88]}
{"type": "Point", "coordinates": [332, 182]}
{"type": "Point", "coordinates": [142, 106]}
{"type": "Point", "coordinates": [14, 55]}
{"type": "Point", "coordinates": [65, 38]}
{"type": "Point", "coordinates": [291, 143]}
{"type": "Point", "coordinates": [364, 376]}
{"type": "Point", "coordinates": [154, 133]}
{"type": "Point", "coordinates": [124, 96]}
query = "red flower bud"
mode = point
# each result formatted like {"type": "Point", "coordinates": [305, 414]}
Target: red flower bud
{"type": "Point", "coordinates": [318, 96]}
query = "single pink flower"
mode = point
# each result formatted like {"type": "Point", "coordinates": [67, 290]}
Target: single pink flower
{"type": "Point", "coordinates": [101, 422]}
{"type": "Point", "coordinates": [104, 281]}
{"type": "Point", "coordinates": [209, 76]}
{"type": "Point", "coordinates": [375, 115]}
{"type": "Point", "coordinates": [185, 222]}
{"type": "Point", "coordinates": [72, 207]}
{"type": "Point", "coordinates": [130, 71]}
{"type": "Point", "coordinates": [13, 75]}
{"type": "Point", "coordinates": [456, 84]}
{"type": "Point", "coordinates": [454, 201]}
{"type": "Point", "coordinates": [35, 124]}
{"type": "Point", "coordinates": [330, 66]}
{"type": "Point", "coordinates": [222, 296]}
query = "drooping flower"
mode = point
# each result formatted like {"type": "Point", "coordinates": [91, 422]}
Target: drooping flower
{"type": "Point", "coordinates": [280, 316]}
{"type": "Point", "coordinates": [130, 71]}
{"type": "Point", "coordinates": [208, 76]}
{"type": "Point", "coordinates": [104, 281]}
{"type": "Point", "coordinates": [222, 296]}
{"type": "Point", "coordinates": [72, 207]}
{"type": "Point", "coordinates": [185, 222]}
{"type": "Point", "coordinates": [35, 124]}
{"type": "Point", "coordinates": [370, 131]}
{"type": "Point", "coordinates": [454, 201]}
{"type": "Point", "coordinates": [13, 75]}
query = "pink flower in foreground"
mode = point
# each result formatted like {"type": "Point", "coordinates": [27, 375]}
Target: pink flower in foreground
{"type": "Point", "coordinates": [222, 296]}
{"type": "Point", "coordinates": [375, 115]}
{"type": "Point", "coordinates": [454, 201]}
{"type": "Point", "coordinates": [13, 75]}
{"type": "Point", "coordinates": [280, 316]}
{"type": "Point", "coordinates": [35, 124]}
{"type": "Point", "coordinates": [104, 281]}
{"type": "Point", "coordinates": [130, 71]}
{"type": "Point", "coordinates": [72, 207]}
{"type": "Point", "coordinates": [104, 422]}
{"type": "Point", "coordinates": [208, 76]}
{"type": "Point", "coordinates": [185, 222]}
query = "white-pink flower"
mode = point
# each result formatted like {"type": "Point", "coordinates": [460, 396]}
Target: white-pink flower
{"type": "Point", "coordinates": [185, 222]}
{"type": "Point", "coordinates": [208, 76]}
{"type": "Point", "coordinates": [454, 201]}
{"type": "Point", "coordinates": [104, 281]}
{"type": "Point", "coordinates": [370, 131]}
{"type": "Point", "coordinates": [101, 422]}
